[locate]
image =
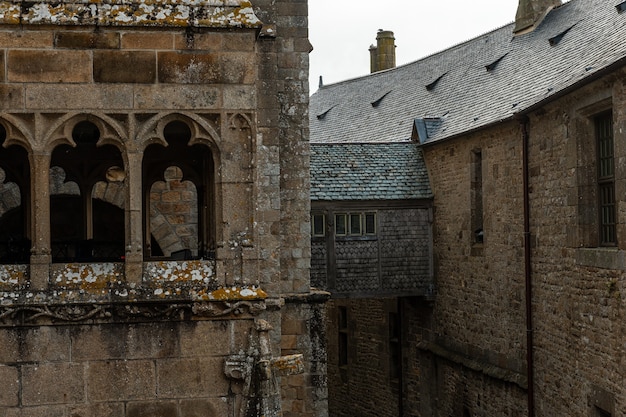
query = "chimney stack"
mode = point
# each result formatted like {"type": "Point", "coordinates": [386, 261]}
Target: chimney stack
{"type": "Point", "coordinates": [530, 13]}
{"type": "Point", "coordinates": [383, 55]}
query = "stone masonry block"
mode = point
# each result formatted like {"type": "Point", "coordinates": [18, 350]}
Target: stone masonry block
{"type": "Point", "coordinates": [49, 66]}
{"type": "Point", "coordinates": [291, 326]}
{"type": "Point", "coordinates": [200, 41]}
{"type": "Point", "coordinates": [9, 393]}
{"type": "Point", "coordinates": [120, 380]}
{"type": "Point", "coordinates": [205, 338]}
{"type": "Point", "coordinates": [204, 408]}
{"type": "Point", "coordinates": [9, 340]}
{"type": "Point", "coordinates": [238, 68]}
{"type": "Point", "coordinates": [176, 96]}
{"type": "Point", "coordinates": [147, 40]}
{"type": "Point", "coordinates": [2, 66]}
{"type": "Point", "coordinates": [52, 383]}
{"type": "Point", "coordinates": [188, 68]}
{"type": "Point", "coordinates": [14, 38]}
{"type": "Point", "coordinates": [41, 411]}
{"type": "Point", "coordinates": [44, 344]}
{"type": "Point", "coordinates": [13, 97]}
{"type": "Point", "coordinates": [191, 378]}
{"type": "Point", "coordinates": [152, 409]}
{"type": "Point", "coordinates": [78, 97]}
{"type": "Point", "coordinates": [239, 97]}
{"type": "Point", "coordinates": [97, 342]}
{"type": "Point", "coordinates": [240, 41]}
{"type": "Point", "coordinates": [152, 341]}
{"type": "Point", "coordinates": [97, 410]}
{"type": "Point", "coordinates": [87, 40]}
{"type": "Point", "coordinates": [113, 67]}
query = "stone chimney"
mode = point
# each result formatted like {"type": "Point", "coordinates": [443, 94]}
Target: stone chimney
{"type": "Point", "coordinates": [530, 13]}
{"type": "Point", "coordinates": [383, 55]}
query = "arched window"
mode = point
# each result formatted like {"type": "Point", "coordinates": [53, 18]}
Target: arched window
{"type": "Point", "coordinates": [14, 203]}
{"type": "Point", "coordinates": [178, 195]}
{"type": "Point", "coordinates": [86, 224]}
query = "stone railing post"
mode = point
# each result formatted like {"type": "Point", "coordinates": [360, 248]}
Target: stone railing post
{"type": "Point", "coordinates": [40, 257]}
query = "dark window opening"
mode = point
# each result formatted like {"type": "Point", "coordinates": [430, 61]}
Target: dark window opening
{"type": "Point", "coordinates": [318, 225]}
{"type": "Point", "coordinates": [476, 190]}
{"type": "Point", "coordinates": [370, 223]}
{"type": "Point", "coordinates": [341, 227]}
{"type": "Point", "coordinates": [606, 179]}
{"type": "Point", "coordinates": [87, 199]}
{"type": "Point", "coordinates": [178, 197]}
{"type": "Point", "coordinates": [15, 243]}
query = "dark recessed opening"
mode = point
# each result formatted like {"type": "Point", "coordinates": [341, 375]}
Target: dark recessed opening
{"type": "Point", "coordinates": [85, 132]}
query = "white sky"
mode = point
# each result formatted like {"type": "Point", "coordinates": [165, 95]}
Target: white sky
{"type": "Point", "coordinates": [342, 31]}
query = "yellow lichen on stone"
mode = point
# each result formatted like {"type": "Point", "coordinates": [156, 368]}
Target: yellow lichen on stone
{"type": "Point", "coordinates": [90, 278]}
{"type": "Point", "coordinates": [232, 294]}
{"type": "Point", "coordinates": [12, 275]}
{"type": "Point", "coordinates": [9, 13]}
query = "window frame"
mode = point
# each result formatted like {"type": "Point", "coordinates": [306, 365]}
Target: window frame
{"type": "Point", "coordinates": [353, 224]}
{"type": "Point", "coordinates": [605, 179]}
{"type": "Point", "coordinates": [314, 223]}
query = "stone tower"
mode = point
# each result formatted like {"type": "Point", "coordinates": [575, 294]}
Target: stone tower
{"type": "Point", "coordinates": [154, 209]}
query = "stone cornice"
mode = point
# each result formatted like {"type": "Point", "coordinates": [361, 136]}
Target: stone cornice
{"type": "Point", "coordinates": [103, 313]}
{"type": "Point", "coordinates": [157, 13]}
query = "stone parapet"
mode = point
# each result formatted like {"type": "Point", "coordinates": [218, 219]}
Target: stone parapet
{"type": "Point", "coordinates": [185, 13]}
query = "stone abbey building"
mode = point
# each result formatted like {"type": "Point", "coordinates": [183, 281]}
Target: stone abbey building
{"type": "Point", "coordinates": [154, 210]}
{"type": "Point", "coordinates": [521, 131]}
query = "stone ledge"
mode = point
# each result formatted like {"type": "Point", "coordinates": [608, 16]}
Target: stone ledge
{"type": "Point", "coordinates": [488, 369]}
{"type": "Point", "coordinates": [605, 258]}
{"type": "Point", "coordinates": [163, 13]}
{"type": "Point", "coordinates": [45, 314]}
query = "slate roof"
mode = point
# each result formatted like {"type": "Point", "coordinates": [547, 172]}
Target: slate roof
{"type": "Point", "coordinates": [366, 171]}
{"type": "Point", "coordinates": [477, 83]}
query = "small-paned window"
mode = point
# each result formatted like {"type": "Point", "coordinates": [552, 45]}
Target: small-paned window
{"type": "Point", "coordinates": [318, 225]}
{"type": "Point", "coordinates": [355, 224]}
{"type": "Point", "coordinates": [606, 179]}
{"type": "Point", "coordinates": [341, 224]}
{"type": "Point", "coordinates": [370, 223]}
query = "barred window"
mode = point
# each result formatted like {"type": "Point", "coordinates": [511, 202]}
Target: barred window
{"type": "Point", "coordinates": [606, 179]}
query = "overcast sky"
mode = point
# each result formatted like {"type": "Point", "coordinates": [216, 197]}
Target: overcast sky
{"type": "Point", "coordinates": [341, 31]}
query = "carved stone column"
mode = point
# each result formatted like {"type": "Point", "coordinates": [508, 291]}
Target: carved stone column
{"type": "Point", "coordinates": [134, 219]}
{"type": "Point", "coordinates": [259, 372]}
{"type": "Point", "coordinates": [40, 258]}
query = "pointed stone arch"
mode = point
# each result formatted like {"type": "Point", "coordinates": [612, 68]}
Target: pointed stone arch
{"type": "Point", "coordinates": [17, 132]}
{"type": "Point", "coordinates": [83, 227]}
{"type": "Point", "coordinates": [60, 132]}
{"type": "Point", "coordinates": [202, 131]}
{"type": "Point", "coordinates": [190, 143]}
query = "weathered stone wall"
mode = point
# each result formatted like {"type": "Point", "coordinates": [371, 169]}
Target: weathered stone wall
{"type": "Point", "coordinates": [473, 345]}
{"type": "Point", "coordinates": [157, 369]}
{"type": "Point", "coordinates": [365, 386]}
{"type": "Point", "coordinates": [478, 311]}
{"type": "Point", "coordinates": [240, 84]}
{"type": "Point", "coordinates": [578, 286]}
